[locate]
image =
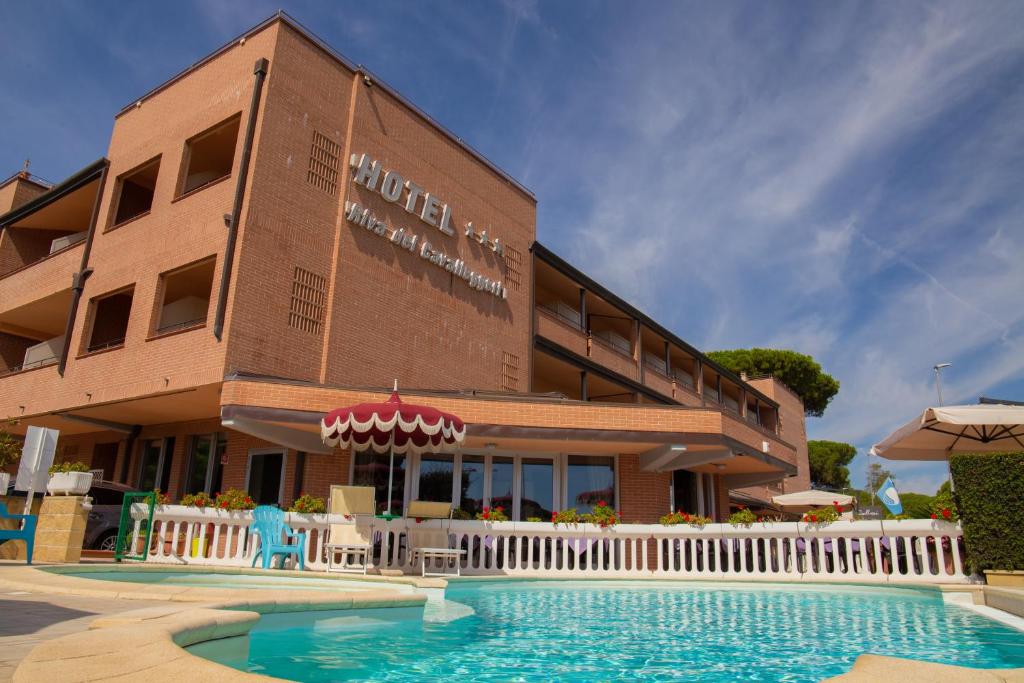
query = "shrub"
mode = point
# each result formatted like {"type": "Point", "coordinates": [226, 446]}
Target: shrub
{"type": "Point", "coordinates": [495, 514]}
{"type": "Point", "coordinates": [10, 449]}
{"type": "Point", "coordinates": [459, 513]}
{"type": "Point", "coordinates": [944, 507]}
{"type": "Point", "coordinates": [534, 519]}
{"type": "Point", "coordinates": [989, 493]}
{"type": "Point", "coordinates": [307, 504]}
{"type": "Point", "coordinates": [234, 499]}
{"type": "Point", "coordinates": [68, 467]}
{"type": "Point", "coordinates": [197, 500]}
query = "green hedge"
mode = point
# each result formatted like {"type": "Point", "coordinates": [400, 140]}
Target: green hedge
{"type": "Point", "coordinates": [989, 491]}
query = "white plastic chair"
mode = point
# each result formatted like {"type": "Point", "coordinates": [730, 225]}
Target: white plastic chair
{"type": "Point", "coordinates": [352, 542]}
{"type": "Point", "coordinates": [433, 544]}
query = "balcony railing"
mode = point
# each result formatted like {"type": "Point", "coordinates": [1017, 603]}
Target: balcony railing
{"type": "Point", "coordinates": [39, 363]}
{"type": "Point", "coordinates": [878, 552]}
{"type": "Point", "coordinates": [174, 327]}
{"type": "Point", "coordinates": [113, 343]}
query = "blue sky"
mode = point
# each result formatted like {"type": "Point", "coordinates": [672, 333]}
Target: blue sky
{"type": "Point", "coordinates": [843, 179]}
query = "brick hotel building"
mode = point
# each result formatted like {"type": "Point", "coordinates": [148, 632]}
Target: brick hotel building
{"type": "Point", "coordinates": [274, 233]}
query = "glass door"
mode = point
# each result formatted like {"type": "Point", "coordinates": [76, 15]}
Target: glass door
{"type": "Point", "coordinates": [265, 482]}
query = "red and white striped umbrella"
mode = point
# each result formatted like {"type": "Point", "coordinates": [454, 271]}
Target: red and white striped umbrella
{"type": "Point", "coordinates": [393, 427]}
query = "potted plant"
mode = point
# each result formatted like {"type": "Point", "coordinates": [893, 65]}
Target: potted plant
{"type": "Point", "coordinates": [495, 514]}
{"type": "Point", "coordinates": [10, 451]}
{"type": "Point", "coordinates": [69, 479]}
{"type": "Point", "coordinates": [602, 515]}
{"type": "Point", "coordinates": [309, 505]}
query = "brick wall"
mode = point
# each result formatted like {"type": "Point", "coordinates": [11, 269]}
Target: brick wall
{"type": "Point", "coordinates": [644, 496]}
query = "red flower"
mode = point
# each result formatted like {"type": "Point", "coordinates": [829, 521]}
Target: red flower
{"type": "Point", "coordinates": [601, 504]}
{"type": "Point", "coordinates": [814, 518]}
{"type": "Point", "coordinates": [499, 509]}
{"type": "Point", "coordinates": [934, 516]}
{"type": "Point", "coordinates": [487, 515]}
{"type": "Point", "coordinates": [418, 520]}
{"type": "Point", "coordinates": [946, 513]}
{"type": "Point", "coordinates": [742, 507]}
{"type": "Point", "coordinates": [760, 519]}
{"type": "Point", "coordinates": [486, 510]}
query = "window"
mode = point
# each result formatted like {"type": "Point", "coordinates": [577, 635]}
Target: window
{"type": "Point", "coordinates": [265, 480]}
{"type": "Point", "coordinates": [537, 498]}
{"type": "Point", "coordinates": [471, 485]}
{"type": "Point", "coordinates": [436, 471]}
{"type": "Point", "coordinates": [371, 469]}
{"type": "Point", "coordinates": [186, 296]}
{"type": "Point", "coordinates": [204, 472]}
{"type": "Point", "coordinates": [502, 476]}
{"type": "Point", "coordinates": [110, 316]}
{"type": "Point", "coordinates": [309, 292]}
{"type": "Point", "coordinates": [589, 480]}
{"type": "Point", "coordinates": [323, 163]}
{"type": "Point", "coordinates": [134, 192]}
{"type": "Point", "coordinates": [103, 496]}
{"type": "Point", "coordinates": [155, 464]}
{"type": "Point", "coordinates": [210, 155]}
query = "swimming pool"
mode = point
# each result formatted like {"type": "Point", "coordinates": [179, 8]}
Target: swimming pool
{"type": "Point", "coordinates": [545, 631]}
{"type": "Point", "coordinates": [211, 578]}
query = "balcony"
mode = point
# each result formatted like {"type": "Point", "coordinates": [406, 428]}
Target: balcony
{"type": "Point", "coordinates": [612, 356]}
{"type": "Point", "coordinates": [40, 279]}
{"type": "Point", "coordinates": [658, 381]}
{"type": "Point", "coordinates": [32, 334]}
{"type": "Point", "coordinates": [560, 330]}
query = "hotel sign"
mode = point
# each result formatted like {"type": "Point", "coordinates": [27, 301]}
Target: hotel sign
{"type": "Point", "coordinates": [430, 209]}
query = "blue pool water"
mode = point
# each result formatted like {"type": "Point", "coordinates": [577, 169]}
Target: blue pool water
{"type": "Point", "coordinates": [554, 631]}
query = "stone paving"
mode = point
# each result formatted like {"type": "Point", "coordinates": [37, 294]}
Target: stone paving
{"type": "Point", "coordinates": [28, 619]}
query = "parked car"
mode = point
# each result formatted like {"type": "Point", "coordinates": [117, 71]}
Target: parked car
{"type": "Point", "coordinates": [105, 516]}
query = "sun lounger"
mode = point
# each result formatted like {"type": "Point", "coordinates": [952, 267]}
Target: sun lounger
{"type": "Point", "coordinates": [429, 544]}
{"type": "Point", "coordinates": [350, 546]}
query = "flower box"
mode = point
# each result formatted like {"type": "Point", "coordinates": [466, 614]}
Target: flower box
{"type": "Point", "coordinates": [69, 483]}
{"type": "Point", "coordinates": [1004, 577]}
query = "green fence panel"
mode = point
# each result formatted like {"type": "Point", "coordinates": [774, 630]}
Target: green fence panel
{"type": "Point", "coordinates": [125, 549]}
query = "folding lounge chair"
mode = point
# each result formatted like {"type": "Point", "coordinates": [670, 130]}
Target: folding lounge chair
{"type": "Point", "coordinates": [433, 544]}
{"type": "Point", "coordinates": [353, 543]}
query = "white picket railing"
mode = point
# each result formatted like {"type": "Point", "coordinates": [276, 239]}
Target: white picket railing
{"type": "Point", "coordinates": [910, 551]}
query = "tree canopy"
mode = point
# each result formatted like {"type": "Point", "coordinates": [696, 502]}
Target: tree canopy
{"type": "Point", "coordinates": [798, 371]}
{"type": "Point", "coordinates": [829, 460]}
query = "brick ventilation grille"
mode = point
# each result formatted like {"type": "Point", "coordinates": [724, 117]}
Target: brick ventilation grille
{"type": "Point", "coordinates": [309, 291]}
{"type": "Point", "coordinates": [509, 372]}
{"type": "Point", "coordinates": [323, 163]}
{"type": "Point", "coordinates": [513, 268]}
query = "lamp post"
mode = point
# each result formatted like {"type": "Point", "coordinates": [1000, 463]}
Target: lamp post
{"type": "Point", "coordinates": [938, 379]}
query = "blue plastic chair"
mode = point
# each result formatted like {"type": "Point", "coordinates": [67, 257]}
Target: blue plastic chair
{"type": "Point", "coordinates": [27, 533]}
{"type": "Point", "coordinates": [268, 522]}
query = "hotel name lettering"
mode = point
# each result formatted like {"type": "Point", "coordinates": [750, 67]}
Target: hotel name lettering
{"type": "Point", "coordinates": [428, 208]}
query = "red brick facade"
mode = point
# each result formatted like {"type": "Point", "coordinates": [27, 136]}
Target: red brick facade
{"type": "Point", "coordinates": [329, 309]}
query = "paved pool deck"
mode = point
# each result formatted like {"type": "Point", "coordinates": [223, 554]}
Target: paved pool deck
{"type": "Point", "coordinates": [31, 618]}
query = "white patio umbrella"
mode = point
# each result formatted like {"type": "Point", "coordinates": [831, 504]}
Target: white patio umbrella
{"type": "Point", "coordinates": [811, 499]}
{"type": "Point", "coordinates": [937, 432]}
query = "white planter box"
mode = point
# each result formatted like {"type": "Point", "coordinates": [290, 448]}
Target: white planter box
{"type": "Point", "coordinates": [69, 483]}
{"type": "Point", "coordinates": [5, 481]}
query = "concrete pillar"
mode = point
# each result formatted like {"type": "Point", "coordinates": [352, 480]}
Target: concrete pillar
{"type": "Point", "coordinates": [61, 529]}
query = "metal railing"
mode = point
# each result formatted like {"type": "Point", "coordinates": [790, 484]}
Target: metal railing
{"type": "Point", "coordinates": [907, 551]}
